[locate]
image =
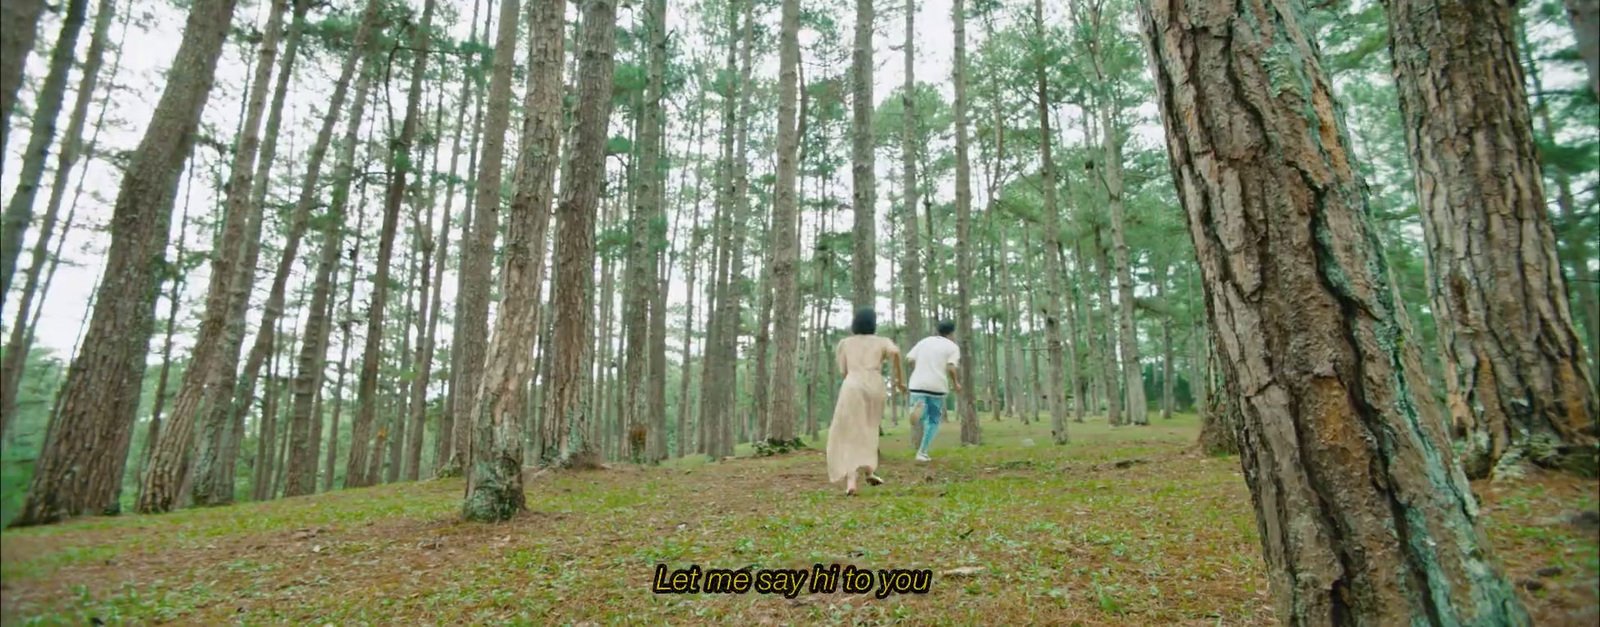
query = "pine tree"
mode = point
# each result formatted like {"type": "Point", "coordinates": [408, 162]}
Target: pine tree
{"type": "Point", "coordinates": [1340, 439]}
{"type": "Point", "coordinates": [79, 469]}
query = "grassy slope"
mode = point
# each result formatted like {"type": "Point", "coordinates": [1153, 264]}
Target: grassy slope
{"type": "Point", "coordinates": [1065, 536]}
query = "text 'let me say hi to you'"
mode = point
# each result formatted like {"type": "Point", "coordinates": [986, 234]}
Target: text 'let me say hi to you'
{"type": "Point", "coordinates": [789, 583]}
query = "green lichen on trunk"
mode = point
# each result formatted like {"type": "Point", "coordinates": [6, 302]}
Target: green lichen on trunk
{"type": "Point", "coordinates": [496, 490]}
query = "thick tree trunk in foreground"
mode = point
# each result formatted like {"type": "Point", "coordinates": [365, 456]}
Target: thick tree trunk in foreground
{"type": "Point", "coordinates": [494, 489]}
{"type": "Point", "coordinates": [477, 263]}
{"type": "Point", "coordinates": [42, 133]}
{"type": "Point", "coordinates": [539, 157]}
{"type": "Point", "coordinates": [19, 339]}
{"type": "Point", "coordinates": [19, 27]}
{"type": "Point", "coordinates": [1365, 518]}
{"type": "Point", "coordinates": [582, 185]}
{"type": "Point", "coordinates": [964, 330]}
{"type": "Point", "coordinates": [170, 465]}
{"type": "Point", "coordinates": [79, 468]}
{"type": "Point", "coordinates": [1519, 379]}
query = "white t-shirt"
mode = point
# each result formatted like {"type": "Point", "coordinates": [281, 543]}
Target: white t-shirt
{"type": "Point", "coordinates": [931, 356]}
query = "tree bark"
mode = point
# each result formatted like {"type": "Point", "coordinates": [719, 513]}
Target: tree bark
{"type": "Point", "coordinates": [170, 465]}
{"type": "Point", "coordinates": [79, 468]}
{"type": "Point", "coordinates": [19, 341]}
{"type": "Point", "coordinates": [911, 274]}
{"type": "Point", "coordinates": [477, 261]}
{"type": "Point", "coordinates": [785, 239]}
{"type": "Point", "coordinates": [1055, 277]}
{"type": "Point", "coordinates": [19, 27]}
{"type": "Point", "coordinates": [494, 491]}
{"type": "Point", "coordinates": [573, 290]}
{"type": "Point", "coordinates": [41, 134]}
{"type": "Point", "coordinates": [541, 144]}
{"type": "Point", "coordinates": [1364, 516]}
{"type": "Point", "coordinates": [863, 259]}
{"type": "Point", "coordinates": [1519, 380]}
{"type": "Point", "coordinates": [970, 430]}
{"type": "Point", "coordinates": [448, 436]}
{"type": "Point", "coordinates": [226, 407]}
{"type": "Point", "coordinates": [174, 300]}
{"type": "Point", "coordinates": [642, 276]}
{"type": "Point", "coordinates": [1111, 385]}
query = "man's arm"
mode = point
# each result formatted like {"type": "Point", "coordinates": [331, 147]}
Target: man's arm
{"type": "Point", "coordinates": [952, 367]}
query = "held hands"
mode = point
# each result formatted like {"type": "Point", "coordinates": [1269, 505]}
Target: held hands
{"type": "Point", "coordinates": [900, 387]}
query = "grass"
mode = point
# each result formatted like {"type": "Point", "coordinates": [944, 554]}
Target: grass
{"type": "Point", "coordinates": [1062, 535]}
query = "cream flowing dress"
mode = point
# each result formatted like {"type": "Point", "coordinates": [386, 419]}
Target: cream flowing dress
{"type": "Point", "coordinates": [853, 436]}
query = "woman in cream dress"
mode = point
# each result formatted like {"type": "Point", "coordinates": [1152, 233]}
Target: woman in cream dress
{"type": "Point", "coordinates": [853, 435]}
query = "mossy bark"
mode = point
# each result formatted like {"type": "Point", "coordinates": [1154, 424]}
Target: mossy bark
{"type": "Point", "coordinates": [1364, 515]}
{"type": "Point", "coordinates": [1518, 383]}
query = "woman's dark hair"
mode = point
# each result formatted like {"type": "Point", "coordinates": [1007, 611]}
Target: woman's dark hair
{"type": "Point", "coordinates": [946, 327]}
{"type": "Point", "coordinates": [865, 323]}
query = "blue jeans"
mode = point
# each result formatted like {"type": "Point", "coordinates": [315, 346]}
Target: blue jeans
{"type": "Point", "coordinates": [932, 412]}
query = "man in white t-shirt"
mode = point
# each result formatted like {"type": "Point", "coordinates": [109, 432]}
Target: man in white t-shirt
{"type": "Point", "coordinates": [933, 375]}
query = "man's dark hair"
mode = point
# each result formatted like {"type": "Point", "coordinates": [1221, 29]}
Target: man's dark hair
{"type": "Point", "coordinates": [865, 323]}
{"type": "Point", "coordinates": [946, 327]}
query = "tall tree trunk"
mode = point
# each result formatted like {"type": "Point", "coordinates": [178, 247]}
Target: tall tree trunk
{"type": "Point", "coordinates": [1166, 342]}
{"type": "Point", "coordinates": [1055, 253]}
{"type": "Point", "coordinates": [970, 430]}
{"type": "Point", "coordinates": [170, 465]}
{"type": "Point", "coordinates": [20, 338]}
{"type": "Point", "coordinates": [223, 428]}
{"type": "Point", "coordinates": [864, 260]}
{"type": "Point", "coordinates": [696, 241]}
{"type": "Point", "coordinates": [761, 383]}
{"type": "Point", "coordinates": [314, 343]}
{"type": "Point", "coordinates": [711, 400]}
{"type": "Point", "coordinates": [79, 468]}
{"type": "Point", "coordinates": [1585, 18]}
{"type": "Point", "coordinates": [1111, 177]}
{"type": "Point", "coordinates": [446, 436]}
{"type": "Point", "coordinates": [1362, 519]}
{"type": "Point", "coordinates": [399, 167]}
{"type": "Point", "coordinates": [41, 134]}
{"type": "Point", "coordinates": [642, 279]}
{"type": "Point", "coordinates": [1110, 381]}
{"type": "Point", "coordinates": [19, 27]}
{"type": "Point", "coordinates": [345, 321]}
{"type": "Point", "coordinates": [583, 184]}
{"type": "Point", "coordinates": [911, 274]}
{"type": "Point", "coordinates": [1519, 377]}
{"type": "Point", "coordinates": [494, 491]}
{"type": "Point", "coordinates": [429, 299]}
{"type": "Point", "coordinates": [227, 406]}
{"type": "Point", "coordinates": [174, 300]}
{"type": "Point", "coordinates": [477, 259]}
{"type": "Point", "coordinates": [539, 154]}
{"type": "Point", "coordinates": [785, 239]}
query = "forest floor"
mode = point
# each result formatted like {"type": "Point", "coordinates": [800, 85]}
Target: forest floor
{"type": "Point", "coordinates": [1124, 526]}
